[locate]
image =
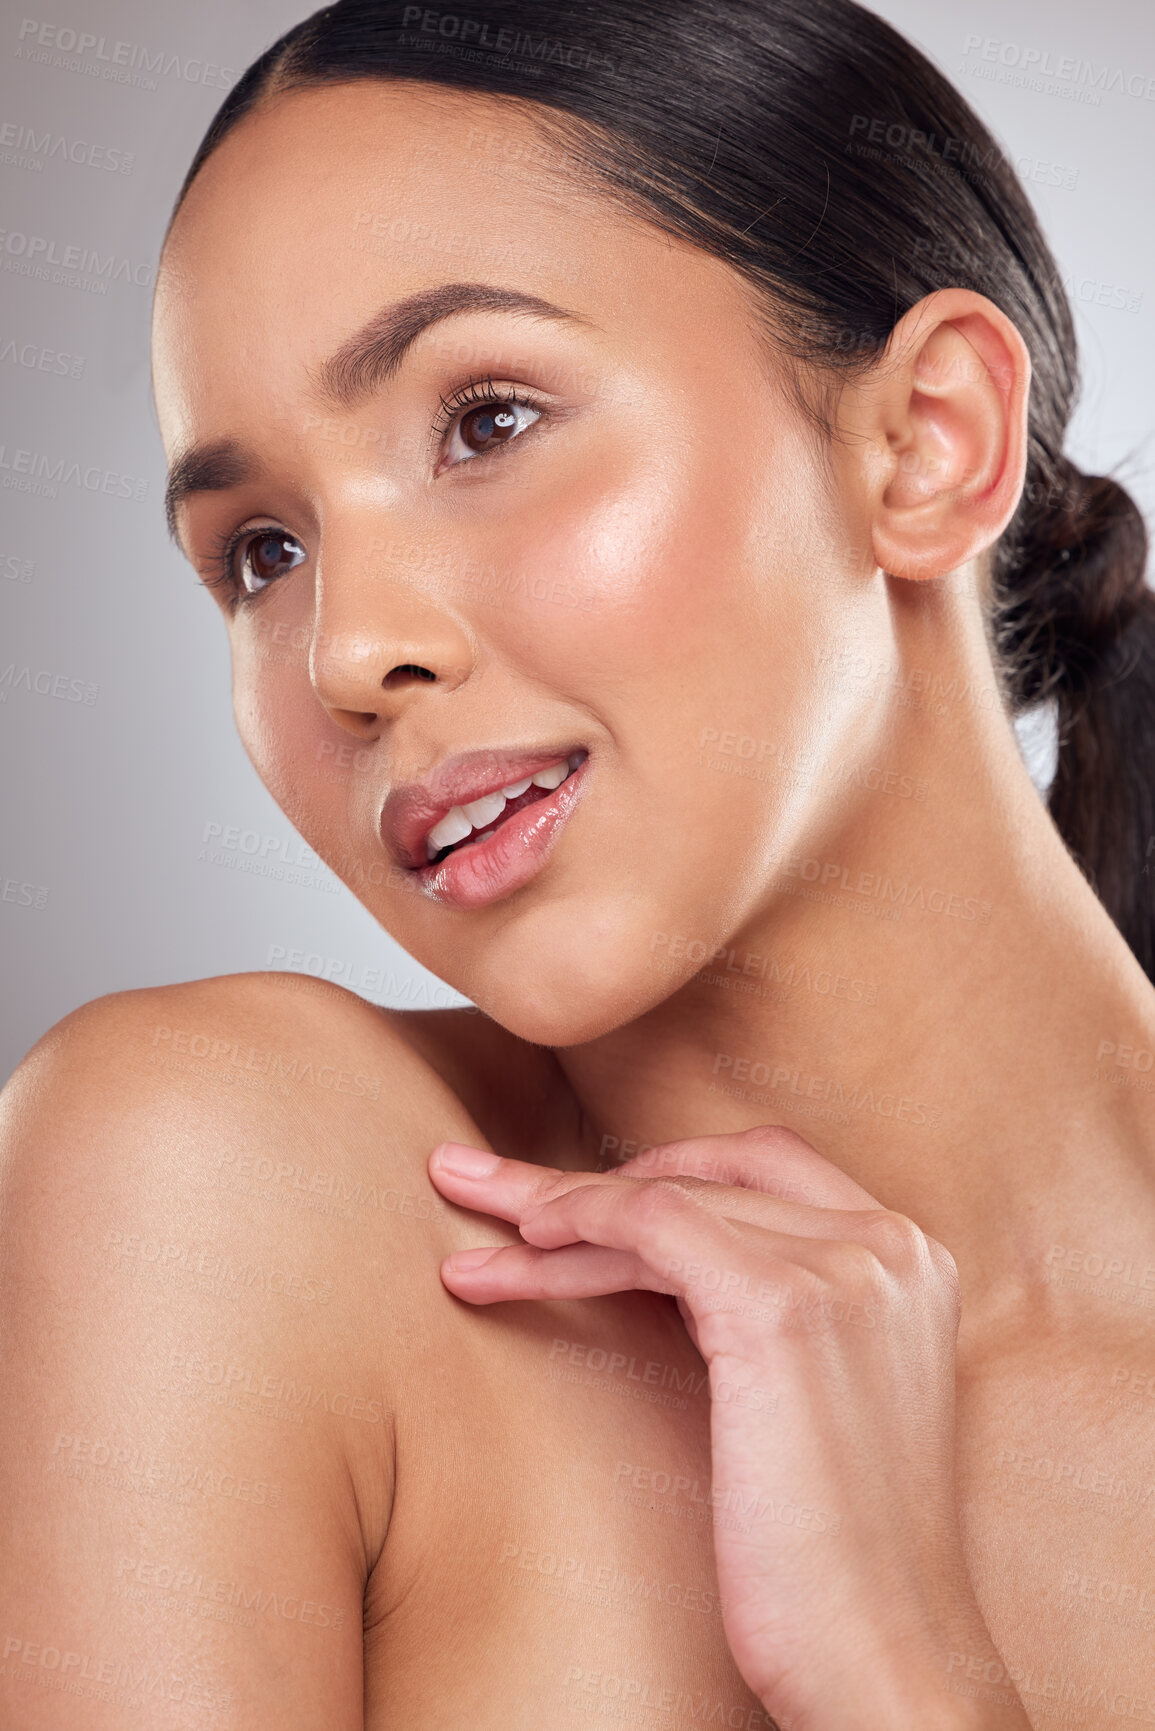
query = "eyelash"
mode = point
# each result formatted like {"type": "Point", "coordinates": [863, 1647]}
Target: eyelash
{"type": "Point", "coordinates": [222, 552]}
{"type": "Point", "coordinates": [472, 394]}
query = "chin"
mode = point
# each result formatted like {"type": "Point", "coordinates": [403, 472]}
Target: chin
{"type": "Point", "coordinates": [549, 1020]}
{"type": "Point", "coordinates": [565, 987]}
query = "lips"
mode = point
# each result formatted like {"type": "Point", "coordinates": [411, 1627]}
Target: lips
{"type": "Point", "coordinates": [411, 811]}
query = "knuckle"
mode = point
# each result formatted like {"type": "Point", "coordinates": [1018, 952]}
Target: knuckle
{"type": "Point", "coordinates": [945, 1267]}
{"type": "Point", "coordinates": [775, 1138]}
{"type": "Point", "coordinates": [854, 1267]}
{"type": "Point", "coordinates": [896, 1241]}
{"type": "Point", "coordinates": [660, 1200]}
{"type": "Point", "coordinates": [735, 1337]}
{"type": "Point", "coordinates": [551, 1188]}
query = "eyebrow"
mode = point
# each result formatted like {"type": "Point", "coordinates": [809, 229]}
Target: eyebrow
{"type": "Point", "coordinates": [364, 362]}
{"type": "Point", "coordinates": [205, 469]}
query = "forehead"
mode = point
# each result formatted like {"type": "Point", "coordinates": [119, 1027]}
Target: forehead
{"type": "Point", "coordinates": [326, 203]}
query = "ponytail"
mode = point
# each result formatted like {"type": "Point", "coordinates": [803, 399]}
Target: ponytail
{"type": "Point", "coordinates": [1075, 623]}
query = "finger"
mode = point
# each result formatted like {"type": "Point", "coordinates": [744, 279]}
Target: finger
{"type": "Point", "coordinates": [653, 1219]}
{"type": "Point", "coordinates": [519, 1191]}
{"type": "Point", "coordinates": [615, 1212]}
{"type": "Point", "coordinates": [486, 1182]}
{"type": "Point", "coordinates": [761, 1280]}
{"type": "Point", "coordinates": [768, 1158]}
{"type": "Point", "coordinates": [522, 1271]}
{"type": "Point", "coordinates": [753, 1284]}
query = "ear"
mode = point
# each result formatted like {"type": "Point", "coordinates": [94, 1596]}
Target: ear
{"type": "Point", "coordinates": [938, 434]}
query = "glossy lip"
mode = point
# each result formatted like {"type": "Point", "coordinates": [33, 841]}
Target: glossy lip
{"type": "Point", "coordinates": [411, 811]}
{"type": "Point", "coordinates": [479, 873]}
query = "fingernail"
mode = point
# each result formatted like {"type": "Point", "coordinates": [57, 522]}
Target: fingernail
{"type": "Point", "coordinates": [466, 1162]}
{"type": "Point", "coordinates": [464, 1261]}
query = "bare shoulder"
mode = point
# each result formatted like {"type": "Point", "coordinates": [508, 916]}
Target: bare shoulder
{"type": "Point", "coordinates": [253, 1024]}
{"type": "Point", "coordinates": [214, 1220]}
{"type": "Point", "coordinates": [265, 1044]}
{"type": "Point", "coordinates": [218, 1066]}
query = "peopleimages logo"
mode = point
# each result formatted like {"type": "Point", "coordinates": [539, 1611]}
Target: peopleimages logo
{"type": "Point", "coordinates": [35, 357]}
{"type": "Point", "coordinates": [45, 683]}
{"type": "Point", "coordinates": [37, 255]}
{"type": "Point", "coordinates": [1016, 62]}
{"type": "Point", "coordinates": [24, 147]}
{"type": "Point", "coordinates": [72, 50]}
{"type": "Point", "coordinates": [34, 472]}
{"type": "Point", "coordinates": [475, 33]}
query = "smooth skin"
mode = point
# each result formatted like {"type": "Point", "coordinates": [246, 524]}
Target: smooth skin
{"type": "Point", "coordinates": [849, 1314]}
{"type": "Point", "coordinates": [971, 1064]}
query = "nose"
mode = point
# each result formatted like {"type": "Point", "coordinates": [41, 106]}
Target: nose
{"type": "Point", "coordinates": [382, 635]}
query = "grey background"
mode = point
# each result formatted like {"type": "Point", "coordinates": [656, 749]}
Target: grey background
{"type": "Point", "coordinates": [118, 749]}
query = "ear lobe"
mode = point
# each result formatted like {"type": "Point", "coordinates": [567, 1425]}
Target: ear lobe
{"type": "Point", "coordinates": [946, 424]}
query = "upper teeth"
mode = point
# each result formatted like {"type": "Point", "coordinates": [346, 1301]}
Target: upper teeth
{"type": "Point", "coordinates": [457, 823]}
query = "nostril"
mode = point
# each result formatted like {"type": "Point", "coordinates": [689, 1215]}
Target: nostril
{"type": "Point", "coordinates": [402, 675]}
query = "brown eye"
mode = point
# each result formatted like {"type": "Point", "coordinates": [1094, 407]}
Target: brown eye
{"type": "Point", "coordinates": [486, 425]}
{"type": "Point", "coordinates": [266, 555]}
{"type": "Point", "coordinates": [492, 424]}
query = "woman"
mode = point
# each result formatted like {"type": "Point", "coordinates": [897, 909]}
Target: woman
{"type": "Point", "coordinates": [634, 544]}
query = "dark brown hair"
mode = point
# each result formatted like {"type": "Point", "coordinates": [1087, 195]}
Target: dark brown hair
{"type": "Point", "coordinates": [812, 148]}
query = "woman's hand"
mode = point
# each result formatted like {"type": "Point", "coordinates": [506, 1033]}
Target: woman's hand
{"type": "Point", "coordinates": [828, 1325]}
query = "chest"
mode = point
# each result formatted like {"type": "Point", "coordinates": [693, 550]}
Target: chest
{"type": "Point", "coordinates": [1057, 1478]}
{"type": "Point", "coordinates": [550, 1554]}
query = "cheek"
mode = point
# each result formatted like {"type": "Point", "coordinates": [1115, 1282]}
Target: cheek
{"type": "Point", "coordinates": [679, 598]}
{"type": "Point", "coordinates": [300, 756]}
{"type": "Point", "coordinates": [704, 597]}
{"type": "Point", "coordinates": [626, 572]}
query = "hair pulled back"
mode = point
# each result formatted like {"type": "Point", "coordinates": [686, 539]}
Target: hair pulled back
{"type": "Point", "coordinates": [812, 148]}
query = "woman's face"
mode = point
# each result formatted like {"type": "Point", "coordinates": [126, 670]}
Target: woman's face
{"type": "Point", "coordinates": [605, 541]}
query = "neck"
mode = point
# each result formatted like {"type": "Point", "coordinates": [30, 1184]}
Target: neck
{"type": "Point", "coordinates": [930, 994]}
